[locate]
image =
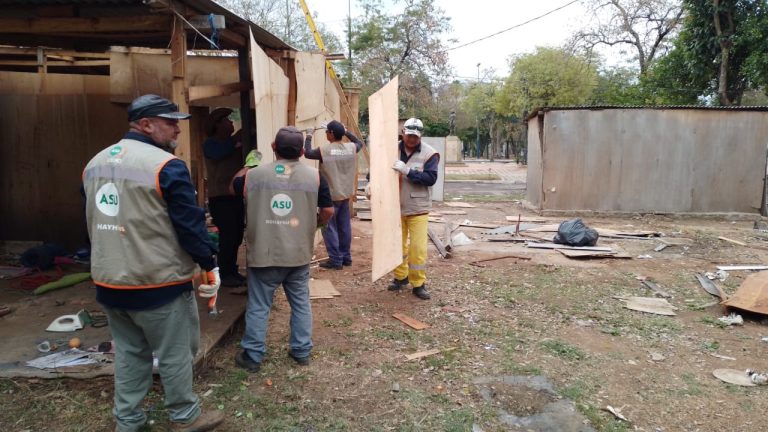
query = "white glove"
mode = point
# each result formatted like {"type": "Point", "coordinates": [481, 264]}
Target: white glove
{"type": "Point", "coordinates": [210, 289]}
{"type": "Point", "coordinates": [400, 167]}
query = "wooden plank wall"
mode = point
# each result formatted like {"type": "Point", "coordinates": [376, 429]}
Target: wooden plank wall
{"type": "Point", "coordinates": [50, 126]}
{"type": "Point", "coordinates": [385, 188]}
{"type": "Point", "coordinates": [686, 161]}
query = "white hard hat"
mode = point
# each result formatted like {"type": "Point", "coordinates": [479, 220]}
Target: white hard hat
{"type": "Point", "coordinates": [413, 126]}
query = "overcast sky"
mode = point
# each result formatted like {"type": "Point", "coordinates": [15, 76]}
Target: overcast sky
{"type": "Point", "coordinates": [475, 19]}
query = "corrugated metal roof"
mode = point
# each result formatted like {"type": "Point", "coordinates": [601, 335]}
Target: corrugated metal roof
{"type": "Point", "coordinates": [536, 111]}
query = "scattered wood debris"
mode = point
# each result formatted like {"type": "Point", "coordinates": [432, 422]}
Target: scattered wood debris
{"type": "Point", "coordinates": [656, 289]}
{"type": "Point", "coordinates": [322, 289]}
{"type": "Point", "coordinates": [480, 263]}
{"type": "Point", "coordinates": [438, 243]}
{"type": "Point", "coordinates": [652, 305]}
{"type": "Point", "coordinates": [410, 322]}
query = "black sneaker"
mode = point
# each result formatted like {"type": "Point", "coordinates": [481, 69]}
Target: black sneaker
{"type": "Point", "coordinates": [347, 263]}
{"type": "Point", "coordinates": [329, 265]}
{"type": "Point", "coordinates": [397, 284]}
{"type": "Point", "coordinates": [421, 292]}
{"type": "Point", "coordinates": [244, 361]}
{"type": "Point", "coordinates": [301, 361]}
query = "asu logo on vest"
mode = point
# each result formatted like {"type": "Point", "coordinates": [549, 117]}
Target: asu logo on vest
{"type": "Point", "coordinates": [108, 200]}
{"type": "Point", "coordinates": [281, 205]}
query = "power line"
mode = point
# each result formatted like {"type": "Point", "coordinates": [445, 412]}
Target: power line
{"type": "Point", "coordinates": [513, 27]}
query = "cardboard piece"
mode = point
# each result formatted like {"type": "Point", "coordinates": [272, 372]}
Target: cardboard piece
{"type": "Point", "coordinates": [410, 322]}
{"type": "Point", "coordinates": [710, 287]}
{"type": "Point", "coordinates": [385, 187]}
{"type": "Point", "coordinates": [733, 376]}
{"type": "Point", "coordinates": [322, 289]}
{"type": "Point", "coordinates": [752, 295]}
{"type": "Point", "coordinates": [652, 305]}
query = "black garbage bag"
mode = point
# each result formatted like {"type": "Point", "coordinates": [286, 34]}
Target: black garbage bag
{"type": "Point", "coordinates": [574, 233]}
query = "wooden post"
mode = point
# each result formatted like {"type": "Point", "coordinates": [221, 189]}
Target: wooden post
{"type": "Point", "coordinates": [179, 87]}
{"type": "Point", "coordinates": [247, 119]}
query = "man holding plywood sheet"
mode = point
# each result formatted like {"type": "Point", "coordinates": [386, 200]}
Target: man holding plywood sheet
{"type": "Point", "coordinates": [417, 166]}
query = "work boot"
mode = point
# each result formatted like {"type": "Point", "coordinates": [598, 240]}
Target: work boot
{"type": "Point", "coordinates": [301, 361]}
{"type": "Point", "coordinates": [206, 421]}
{"type": "Point", "coordinates": [346, 263]}
{"type": "Point", "coordinates": [329, 265]}
{"type": "Point", "coordinates": [421, 292]}
{"type": "Point", "coordinates": [244, 361]}
{"type": "Point", "coordinates": [397, 284]}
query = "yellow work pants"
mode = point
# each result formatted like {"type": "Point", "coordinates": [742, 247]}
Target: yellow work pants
{"type": "Point", "coordinates": [414, 265]}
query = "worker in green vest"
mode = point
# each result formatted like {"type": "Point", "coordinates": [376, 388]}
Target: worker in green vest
{"type": "Point", "coordinates": [285, 201]}
{"type": "Point", "coordinates": [147, 236]}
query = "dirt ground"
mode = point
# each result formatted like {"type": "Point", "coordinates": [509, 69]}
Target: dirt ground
{"type": "Point", "coordinates": [547, 315]}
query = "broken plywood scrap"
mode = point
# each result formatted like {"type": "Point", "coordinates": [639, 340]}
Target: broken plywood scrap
{"type": "Point", "coordinates": [447, 232]}
{"type": "Point", "coordinates": [733, 376]}
{"type": "Point", "coordinates": [438, 243]}
{"type": "Point", "coordinates": [525, 219]}
{"type": "Point", "coordinates": [743, 267]}
{"type": "Point", "coordinates": [322, 289]}
{"type": "Point", "coordinates": [410, 322]}
{"type": "Point", "coordinates": [459, 204]}
{"type": "Point", "coordinates": [728, 240]}
{"type": "Point", "coordinates": [710, 286]}
{"type": "Point", "coordinates": [656, 289]}
{"type": "Point", "coordinates": [652, 305]}
{"type": "Point", "coordinates": [752, 295]}
{"type": "Point", "coordinates": [560, 246]}
{"type": "Point", "coordinates": [364, 215]}
{"type": "Point", "coordinates": [585, 254]}
{"type": "Point", "coordinates": [427, 353]}
{"type": "Point", "coordinates": [481, 263]}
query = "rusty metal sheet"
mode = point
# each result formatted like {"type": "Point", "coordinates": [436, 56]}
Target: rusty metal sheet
{"type": "Point", "coordinates": [752, 295]}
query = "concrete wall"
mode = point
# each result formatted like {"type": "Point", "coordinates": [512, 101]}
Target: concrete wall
{"type": "Point", "coordinates": [648, 160]}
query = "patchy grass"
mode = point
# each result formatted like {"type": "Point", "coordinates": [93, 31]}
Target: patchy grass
{"type": "Point", "coordinates": [564, 350]}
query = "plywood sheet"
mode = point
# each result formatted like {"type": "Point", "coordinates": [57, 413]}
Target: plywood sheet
{"type": "Point", "coordinates": [322, 289]}
{"type": "Point", "coordinates": [410, 322]}
{"type": "Point", "coordinates": [270, 91]}
{"type": "Point", "coordinates": [310, 86]}
{"type": "Point", "coordinates": [135, 74]}
{"type": "Point", "coordinates": [752, 295]}
{"type": "Point", "coordinates": [385, 189]}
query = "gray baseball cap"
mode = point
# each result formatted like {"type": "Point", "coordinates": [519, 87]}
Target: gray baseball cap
{"type": "Point", "coordinates": [154, 106]}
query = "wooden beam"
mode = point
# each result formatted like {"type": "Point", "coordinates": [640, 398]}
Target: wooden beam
{"type": "Point", "coordinates": [233, 38]}
{"type": "Point", "coordinates": [247, 119]}
{"type": "Point", "coordinates": [54, 53]}
{"type": "Point", "coordinates": [84, 25]}
{"type": "Point", "coordinates": [54, 63]}
{"type": "Point", "coordinates": [179, 88]}
{"type": "Point", "coordinates": [208, 91]}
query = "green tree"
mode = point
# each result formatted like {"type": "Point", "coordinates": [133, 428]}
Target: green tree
{"type": "Point", "coordinates": [407, 44]}
{"type": "Point", "coordinates": [548, 77]}
{"type": "Point", "coordinates": [644, 26]}
{"type": "Point", "coordinates": [284, 19]}
{"type": "Point", "coordinates": [720, 53]}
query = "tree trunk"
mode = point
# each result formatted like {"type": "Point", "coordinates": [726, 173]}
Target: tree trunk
{"type": "Point", "coordinates": [725, 51]}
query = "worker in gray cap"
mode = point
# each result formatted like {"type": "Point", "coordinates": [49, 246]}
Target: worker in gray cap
{"type": "Point", "coordinates": [285, 201]}
{"type": "Point", "coordinates": [148, 235]}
